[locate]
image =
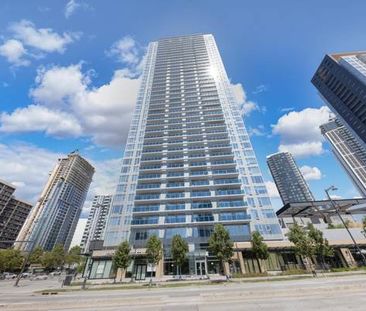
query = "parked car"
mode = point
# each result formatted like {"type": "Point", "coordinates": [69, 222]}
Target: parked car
{"type": "Point", "coordinates": [9, 276]}
{"type": "Point", "coordinates": [40, 277]}
{"type": "Point", "coordinates": [55, 273]}
{"type": "Point", "coordinates": [26, 275]}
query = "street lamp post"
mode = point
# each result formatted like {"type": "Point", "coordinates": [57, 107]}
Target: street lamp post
{"type": "Point", "coordinates": [86, 271]}
{"type": "Point", "coordinates": [344, 223]}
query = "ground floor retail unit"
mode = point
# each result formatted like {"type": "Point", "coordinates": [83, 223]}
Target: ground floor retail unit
{"type": "Point", "coordinates": [199, 263]}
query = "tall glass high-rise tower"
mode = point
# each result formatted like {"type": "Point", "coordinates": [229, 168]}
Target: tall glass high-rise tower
{"type": "Point", "coordinates": [349, 152]}
{"type": "Point", "coordinates": [188, 162]}
{"type": "Point", "coordinates": [341, 82]}
{"type": "Point", "coordinates": [95, 226]}
{"type": "Point", "coordinates": [54, 218]}
{"type": "Point", "coordinates": [288, 178]}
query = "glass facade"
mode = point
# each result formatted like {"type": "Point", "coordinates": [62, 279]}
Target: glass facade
{"type": "Point", "coordinates": [54, 218]}
{"type": "Point", "coordinates": [341, 82]}
{"type": "Point", "coordinates": [95, 226]}
{"type": "Point", "coordinates": [288, 179]}
{"type": "Point", "coordinates": [349, 152]}
{"type": "Point", "coordinates": [188, 162]}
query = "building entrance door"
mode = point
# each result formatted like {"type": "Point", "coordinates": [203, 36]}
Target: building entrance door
{"type": "Point", "coordinates": [140, 272]}
{"type": "Point", "coordinates": [200, 267]}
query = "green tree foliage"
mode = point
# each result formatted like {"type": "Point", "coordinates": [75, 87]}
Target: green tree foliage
{"type": "Point", "coordinates": [36, 255]}
{"type": "Point", "coordinates": [122, 258]}
{"type": "Point", "coordinates": [364, 226]}
{"type": "Point", "coordinates": [10, 260]}
{"type": "Point", "coordinates": [179, 250]}
{"type": "Point", "coordinates": [321, 245]}
{"type": "Point", "coordinates": [304, 245]}
{"type": "Point", "coordinates": [54, 259]}
{"type": "Point", "coordinates": [309, 242]}
{"type": "Point", "coordinates": [74, 256]}
{"type": "Point", "coordinates": [259, 248]}
{"type": "Point", "coordinates": [154, 251]}
{"type": "Point", "coordinates": [220, 244]}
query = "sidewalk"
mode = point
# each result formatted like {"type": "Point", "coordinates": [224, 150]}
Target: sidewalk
{"type": "Point", "coordinates": [210, 281]}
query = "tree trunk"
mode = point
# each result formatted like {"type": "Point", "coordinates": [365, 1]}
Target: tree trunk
{"type": "Point", "coordinates": [122, 272]}
{"type": "Point", "coordinates": [151, 272]}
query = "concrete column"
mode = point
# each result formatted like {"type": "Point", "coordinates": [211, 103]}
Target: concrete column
{"type": "Point", "coordinates": [347, 258]}
{"type": "Point", "coordinates": [241, 262]}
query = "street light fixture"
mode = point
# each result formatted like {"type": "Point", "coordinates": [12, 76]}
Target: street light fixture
{"type": "Point", "coordinates": [333, 188]}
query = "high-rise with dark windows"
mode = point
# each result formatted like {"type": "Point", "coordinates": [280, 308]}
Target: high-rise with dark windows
{"type": "Point", "coordinates": [13, 213]}
{"type": "Point", "coordinates": [349, 152]}
{"type": "Point", "coordinates": [188, 162]}
{"type": "Point", "coordinates": [341, 82]}
{"type": "Point", "coordinates": [288, 178]}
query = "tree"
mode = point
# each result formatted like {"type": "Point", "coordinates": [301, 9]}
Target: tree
{"type": "Point", "coordinates": [321, 245]}
{"type": "Point", "coordinates": [304, 245]}
{"type": "Point", "coordinates": [220, 245]}
{"type": "Point", "coordinates": [154, 252]}
{"type": "Point", "coordinates": [54, 259]}
{"type": "Point", "coordinates": [121, 258]}
{"type": "Point", "coordinates": [10, 259]}
{"type": "Point", "coordinates": [74, 256]}
{"type": "Point", "coordinates": [179, 250]}
{"type": "Point", "coordinates": [259, 248]}
{"type": "Point", "coordinates": [36, 256]}
{"type": "Point", "coordinates": [364, 226]}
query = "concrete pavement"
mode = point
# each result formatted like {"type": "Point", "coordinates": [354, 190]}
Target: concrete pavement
{"type": "Point", "coordinates": [323, 293]}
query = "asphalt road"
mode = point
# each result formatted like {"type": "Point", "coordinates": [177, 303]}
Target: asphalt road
{"type": "Point", "coordinates": [323, 293]}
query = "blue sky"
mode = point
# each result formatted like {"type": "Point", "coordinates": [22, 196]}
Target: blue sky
{"type": "Point", "coordinates": [70, 70]}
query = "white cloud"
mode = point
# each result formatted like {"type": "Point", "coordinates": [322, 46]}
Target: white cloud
{"type": "Point", "coordinates": [37, 40]}
{"type": "Point", "coordinates": [247, 106]}
{"type": "Point", "coordinates": [303, 149]}
{"type": "Point", "coordinates": [260, 89]}
{"type": "Point", "coordinates": [39, 118]}
{"type": "Point", "coordinates": [102, 113]}
{"type": "Point", "coordinates": [71, 7]}
{"type": "Point", "coordinates": [299, 131]}
{"type": "Point", "coordinates": [272, 189]}
{"type": "Point", "coordinates": [106, 176]}
{"type": "Point", "coordinates": [49, 91]}
{"type": "Point", "coordinates": [27, 167]}
{"type": "Point", "coordinates": [311, 173]}
{"type": "Point", "coordinates": [107, 110]}
{"type": "Point", "coordinates": [78, 235]}
{"type": "Point", "coordinates": [257, 131]}
{"type": "Point", "coordinates": [125, 51]}
{"type": "Point", "coordinates": [43, 39]}
{"type": "Point", "coordinates": [14, 51]}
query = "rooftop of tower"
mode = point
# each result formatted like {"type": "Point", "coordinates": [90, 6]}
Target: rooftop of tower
{"type": "Point", "coordinates": [277, 153]}
{"type": "Point", "coordinates": [181, 36]}
{"type": "Point", "coordinates": [338, 56]}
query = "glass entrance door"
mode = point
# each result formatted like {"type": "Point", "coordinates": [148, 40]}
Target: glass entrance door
{"type": "Point", "coordinates": [200, 267]}
{"type": "Point", "coordinates": [140, 272]}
